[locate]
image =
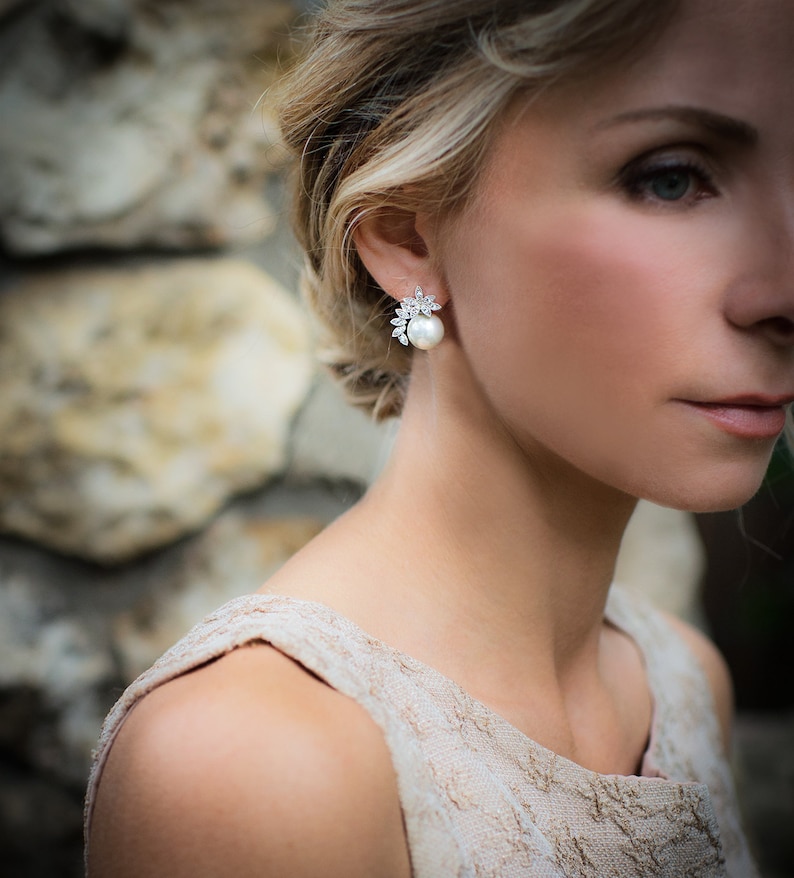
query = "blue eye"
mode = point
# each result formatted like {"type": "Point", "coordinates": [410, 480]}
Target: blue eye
{"type": "Point", "coordinates": [667, 182]}
{"type": "Point", "coordinates": [671, 185]}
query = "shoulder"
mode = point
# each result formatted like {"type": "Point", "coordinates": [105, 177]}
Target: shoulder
{"type": "Point", "coordinates": [715, 669]}
{"type": "Point", "coordinates": [248, 766]}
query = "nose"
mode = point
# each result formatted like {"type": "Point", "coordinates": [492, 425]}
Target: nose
{"type": "Point", "coordinates": [758, 307]}
{"type": "Point", "coordinates": [767, 316]}
{"type": "Point", "coordinates": [779, 330]}
{"type": "Point", "coordinates": [762, 300]}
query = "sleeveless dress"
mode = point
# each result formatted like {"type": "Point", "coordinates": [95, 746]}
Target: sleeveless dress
{"type": "Point", "coordinates": [479, 798]}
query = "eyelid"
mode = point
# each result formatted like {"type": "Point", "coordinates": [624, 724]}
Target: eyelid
{"type": "Point", "coordinates": [687, 157]}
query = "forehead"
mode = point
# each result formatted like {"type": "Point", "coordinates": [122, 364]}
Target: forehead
{"type": "Point", "coordinates": [730, 56]}
{"type": "Point", "coordinates": [733, 59]}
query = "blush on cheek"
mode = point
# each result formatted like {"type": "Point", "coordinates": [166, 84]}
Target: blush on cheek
{"type": "Point", "coordinates": [610, 275]}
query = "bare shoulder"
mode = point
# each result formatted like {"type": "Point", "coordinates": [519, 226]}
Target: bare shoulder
{"type": "Point", "coordinates": [716, 671]}
{"type": "Point", "coordinates": [248, 766]}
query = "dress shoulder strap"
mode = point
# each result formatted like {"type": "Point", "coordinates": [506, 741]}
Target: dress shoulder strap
{"type": "Point", "coordinates": [338, 652]}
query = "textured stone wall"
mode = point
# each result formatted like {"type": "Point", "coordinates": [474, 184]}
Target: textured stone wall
{"type": "Point", "coordinates": [136, 400]}
{"type": "Point", "coordinates": [132, 123]}
{"type": "Point", "coordinates": [165, 439]}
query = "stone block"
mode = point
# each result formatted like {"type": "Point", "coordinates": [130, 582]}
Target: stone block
{"type": "Point", "coordinates": [134, 402]}
{"type": "Point", "coordinates": [333, 440]}
{"type": "Point", "coordinates": [234, 556]}
{"type": "Point", "coordinates": [129, 124]}
{"type": "Point", "coordinates": [73, 635]}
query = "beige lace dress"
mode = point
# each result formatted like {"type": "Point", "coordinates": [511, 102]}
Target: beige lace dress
{"type": "Point", "coordinates": [479, 798]}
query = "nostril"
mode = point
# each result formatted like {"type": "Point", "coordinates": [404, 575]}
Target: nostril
{"type": "Point", "coordinates": [779, 329]}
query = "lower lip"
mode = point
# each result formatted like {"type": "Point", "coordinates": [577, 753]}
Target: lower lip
{"type": "Point", "coordinates": [745, 421]}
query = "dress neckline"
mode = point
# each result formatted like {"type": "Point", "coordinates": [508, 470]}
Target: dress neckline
{"type": "Point", "coordinates": [615, 614]}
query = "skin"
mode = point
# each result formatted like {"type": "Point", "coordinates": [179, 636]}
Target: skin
{"type": "Point", "coordinates": [585, 312]}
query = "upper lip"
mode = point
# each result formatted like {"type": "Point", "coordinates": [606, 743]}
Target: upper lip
{"type": "Point", "coordinates": [760, 400]}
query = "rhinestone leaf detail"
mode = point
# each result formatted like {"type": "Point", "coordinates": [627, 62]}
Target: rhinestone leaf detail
{"type": "Point", "coordinates": [409, 308]}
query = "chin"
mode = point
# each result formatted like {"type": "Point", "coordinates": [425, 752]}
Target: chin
{"type": "Point", "coordinates": [726, 505]}
{"type": "Point", "coordinates": [698, 478]}
{"type": "Point", "coordinates": [704, 494]}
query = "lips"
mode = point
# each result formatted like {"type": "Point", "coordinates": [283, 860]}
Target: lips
{"type": "Point", "coordinates": [752, 416]}
{"type": "Point", "coordinates": [759, 400]}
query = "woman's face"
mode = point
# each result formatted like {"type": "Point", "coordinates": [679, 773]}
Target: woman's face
{"type": "Point", "coordinates": [623, 280]}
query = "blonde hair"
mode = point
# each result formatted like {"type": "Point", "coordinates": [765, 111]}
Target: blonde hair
{"type": "Point", "coordinates": [393, 106]}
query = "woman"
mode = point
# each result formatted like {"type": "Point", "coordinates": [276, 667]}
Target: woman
{"type": "Point", "coordinates": [598, 194]}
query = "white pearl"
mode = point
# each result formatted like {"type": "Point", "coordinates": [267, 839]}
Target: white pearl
{"type": "Point", "coordinates": [425, 332]}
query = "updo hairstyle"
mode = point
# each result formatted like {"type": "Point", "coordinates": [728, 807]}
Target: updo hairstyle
{"type": "Point", "coordinates": [393, 106]}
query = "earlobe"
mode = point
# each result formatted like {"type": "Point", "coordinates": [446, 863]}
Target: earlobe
{"type": "Point", "coordinates": [397, 255]}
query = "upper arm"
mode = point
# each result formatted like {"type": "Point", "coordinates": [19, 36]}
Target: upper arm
{"type": "Point", "coordinates": [716, 671]}
{"type": "Point", "coordinates": [248, 767]}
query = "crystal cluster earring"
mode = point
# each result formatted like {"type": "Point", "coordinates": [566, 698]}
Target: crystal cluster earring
{"type": "Point", "coordinates": [415, 321]}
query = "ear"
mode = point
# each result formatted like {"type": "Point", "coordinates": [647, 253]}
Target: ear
{"type": "Point", "coordinates": [397, 247]}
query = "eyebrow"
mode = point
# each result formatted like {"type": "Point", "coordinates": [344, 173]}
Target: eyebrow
{"type": "Point", "coordinates": [726, 127]}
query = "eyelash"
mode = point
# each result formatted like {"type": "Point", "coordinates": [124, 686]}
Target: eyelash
{"type": "Point", "coordinates": [636, 178]}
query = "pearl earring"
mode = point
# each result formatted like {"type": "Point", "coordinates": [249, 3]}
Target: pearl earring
{"type": "Point", "coordinates": [416, 323]}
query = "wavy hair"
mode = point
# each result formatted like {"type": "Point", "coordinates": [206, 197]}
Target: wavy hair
{"type": "Point", "coordinates": [393, 105]}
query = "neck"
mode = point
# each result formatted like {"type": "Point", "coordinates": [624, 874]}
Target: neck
{"type": "Point", "coordinates": [501, 544]}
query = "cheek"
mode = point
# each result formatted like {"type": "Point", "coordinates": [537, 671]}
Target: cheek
{"type": "Point", "coordinates": [579, 294]}
{"type": "Point", "coordinates": [604, 277]}
{"type": "Point", "coordinates": [581, 328]}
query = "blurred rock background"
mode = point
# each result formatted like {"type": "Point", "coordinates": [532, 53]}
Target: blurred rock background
{"type": "Point", "coordinates": [166, 441]}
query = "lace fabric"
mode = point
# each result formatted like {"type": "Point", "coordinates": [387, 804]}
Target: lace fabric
{"type": "Point", "coordinates": [480, 798]}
